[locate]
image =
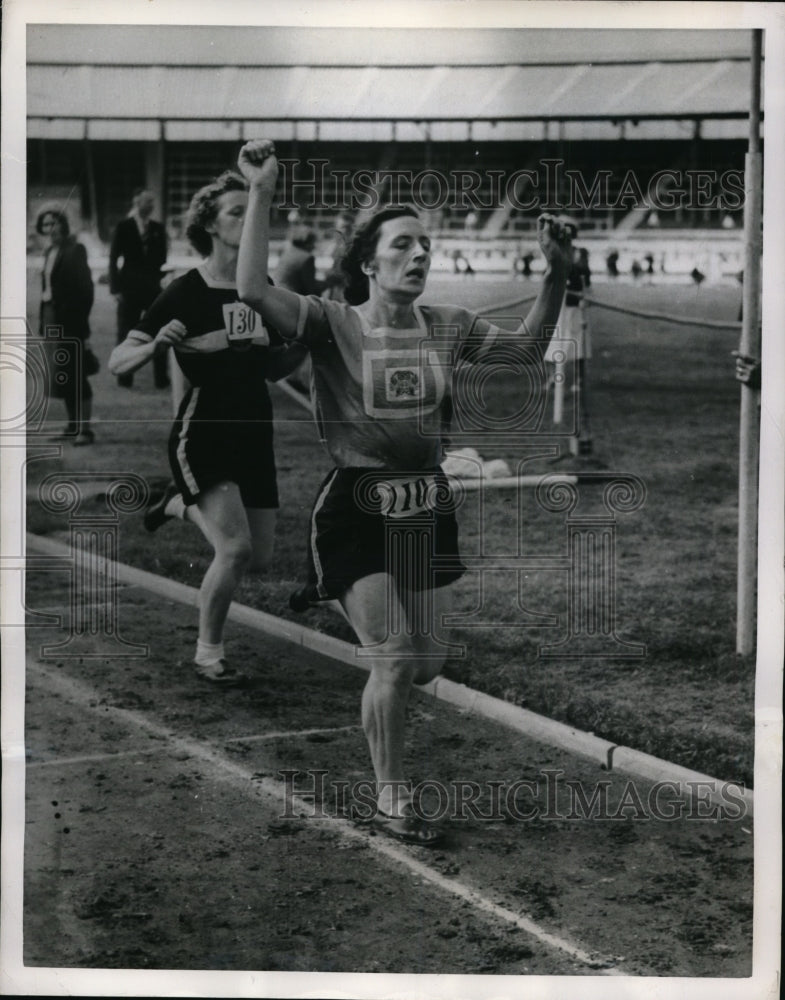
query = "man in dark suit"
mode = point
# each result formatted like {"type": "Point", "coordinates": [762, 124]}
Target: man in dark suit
{"type": "Point", "coordinates": [136, 256]}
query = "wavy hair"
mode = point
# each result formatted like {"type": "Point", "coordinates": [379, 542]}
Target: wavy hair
{"type": "Point", "coordinates": [204, 208]}
{"type": "Point", "coordinates": [57, 214]}
{"type": "Point", "coordinates": [362, 248]}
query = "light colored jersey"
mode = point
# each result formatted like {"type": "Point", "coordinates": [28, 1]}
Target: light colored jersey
{"type": "Point", "coordinates": [379, 393]}
{"type": "Point", "coordinates": [572, 338]}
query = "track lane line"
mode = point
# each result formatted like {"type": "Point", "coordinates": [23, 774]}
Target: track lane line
{"type": "Point", "coordinates": [96, 758]}
{"type": "Point", "coordinates": [244, 780]}
{"type": "Point", "coordinates": [539, 727]}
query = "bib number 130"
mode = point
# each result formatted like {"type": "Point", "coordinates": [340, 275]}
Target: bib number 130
{"type": "Point", "coordinates": [242, 323]}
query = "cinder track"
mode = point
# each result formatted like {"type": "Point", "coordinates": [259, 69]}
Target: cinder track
{"type": "Point", "coordinates": [182, 850]}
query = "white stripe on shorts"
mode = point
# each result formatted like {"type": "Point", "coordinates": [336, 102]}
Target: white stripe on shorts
{"type": "Point", "coordinates": [314, 551]}
{"type": "Point", "coordinates": [182, 460]}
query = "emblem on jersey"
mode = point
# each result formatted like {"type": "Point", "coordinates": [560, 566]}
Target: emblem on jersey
{"type": "Point", "coordinates": [401, 383]}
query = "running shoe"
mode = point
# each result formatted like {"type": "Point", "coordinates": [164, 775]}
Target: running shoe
{"type": "Point", "coordinates": [221, 674]}
{"type": "Point", "coordinates": [304, 598]}
{"type": "Point", "coordinates": [83, 438]}
{"type": "Point", "coordinates": [155, 514]}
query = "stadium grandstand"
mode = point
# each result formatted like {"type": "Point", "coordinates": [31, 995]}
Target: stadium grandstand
{"type": "Point", "coordinates": [640, 135]}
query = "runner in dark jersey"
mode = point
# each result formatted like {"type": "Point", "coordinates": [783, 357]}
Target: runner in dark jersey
{"type": "Point", "coordinates": [221, 443]}
{"type": "Point", "coordinates": [383, 537]}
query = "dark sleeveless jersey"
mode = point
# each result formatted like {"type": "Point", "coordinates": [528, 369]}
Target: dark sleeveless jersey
{"type": "Point", "coordinates": [228, 354]}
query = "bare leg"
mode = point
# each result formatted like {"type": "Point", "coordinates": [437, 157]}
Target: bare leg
{"type": "Point", "coordinates": [261, 522]}
{"type": "Point", "coordinates": [226, 528]}
{"type": "Point", "coordinates": [370, 605]}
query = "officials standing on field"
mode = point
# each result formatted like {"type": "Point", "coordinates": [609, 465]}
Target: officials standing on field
{"type": "Point", "coordinates": [137, 254]}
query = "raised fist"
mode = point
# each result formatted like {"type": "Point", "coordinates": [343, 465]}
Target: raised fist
{"type": "Point", "coordinates": [258, 164]}
{"type": "Point", "coordinates": [555, 236]}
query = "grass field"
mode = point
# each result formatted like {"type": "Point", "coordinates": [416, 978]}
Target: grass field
{"type": "Point", "coordinates": [664, 407]}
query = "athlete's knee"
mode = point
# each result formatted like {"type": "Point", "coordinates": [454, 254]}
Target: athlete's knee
{"type": "Point", "coordinates": [394, 671]}
{"type": "Point", "coordinates": [236, 551]}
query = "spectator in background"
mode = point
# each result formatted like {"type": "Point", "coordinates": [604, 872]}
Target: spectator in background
{"type": "Point", "coordinates": [612, 263]}
{"type": "Point", "coordinates": [582, 267]}
{"type": "Point", "coordinates": [297, 271]}
{"type": "Point", "coordinates": [570, 347]}
{"type": "Point", "coordinates": [697, 275]}
{"type": "Point", "coordinates": [136, 257]}
{"type": "Point", "coordinates": [748, 370]}
{"type": "Point", "coordinates": [335, 279]}
{"type": "Point", "coordinates": [522, 265]}
{"type": "Point", "coordinates": [460, 263]}
{"type": "Point", "coordinates": [297, 266]}
{"type": "Point", "coordinates": [66, 301]}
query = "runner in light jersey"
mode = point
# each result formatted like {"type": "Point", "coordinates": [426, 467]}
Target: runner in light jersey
{"type": "Point", "coordinates": [383, 534]}
{"type": "Point", "coordinates": [379, 391]}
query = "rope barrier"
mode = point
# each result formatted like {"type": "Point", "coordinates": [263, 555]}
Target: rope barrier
{"type": "Point", "coordinates": [714, 324]}
{"type": "Point", "coordinates": [486, 310]}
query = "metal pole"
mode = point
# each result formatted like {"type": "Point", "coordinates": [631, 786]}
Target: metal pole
{"type": "Point", "coordinates": [91, 188]}
{"type": "Point", "coordinates": [750, 345]}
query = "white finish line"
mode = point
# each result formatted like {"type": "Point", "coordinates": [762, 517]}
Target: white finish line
{"type": "Point", "coordinates": [245, 781]}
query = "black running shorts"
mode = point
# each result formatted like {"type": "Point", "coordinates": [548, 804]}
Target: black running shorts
{"type": "Point", "coordinates": [203, 453]}
{"type": "Point", "coordinates": [367, 521]}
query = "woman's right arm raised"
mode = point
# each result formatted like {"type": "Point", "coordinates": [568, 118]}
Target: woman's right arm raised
{"type": "Point", "coordinates": [277, 306]}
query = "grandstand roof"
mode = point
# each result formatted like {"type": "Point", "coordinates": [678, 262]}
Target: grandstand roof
{"type": "Point", "coordinates": [138, 75]}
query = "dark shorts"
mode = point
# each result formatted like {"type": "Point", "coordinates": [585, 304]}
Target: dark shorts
{"type": "Point", "coordinates": [367, 521]}
{"type": "Point", "coordinates": [204, 452]}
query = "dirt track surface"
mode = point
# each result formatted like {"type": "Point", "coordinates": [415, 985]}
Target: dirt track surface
{"type": "Point", "coordinates": [157, 835]}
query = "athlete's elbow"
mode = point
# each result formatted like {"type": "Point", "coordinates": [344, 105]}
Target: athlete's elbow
{"type": "Point", "coordinates": [114, 365]}
{"type": "Point", "coordinates": [119, 362]}
{"type": "Point", "coordinates": [250, 291]}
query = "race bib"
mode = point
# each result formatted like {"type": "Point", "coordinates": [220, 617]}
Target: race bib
{"type": "Point", "coordinates": [242, 323]}
{"type": "Point", "coordinates": [406, 498]}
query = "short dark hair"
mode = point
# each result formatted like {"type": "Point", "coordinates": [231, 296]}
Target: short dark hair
{"type": "Point", "coordinates": [304, 240]}
{"type": "Point", "coordinates": [204, 208]}
{"type": "Point", "coordinates": [362, 248]}
{"type": "Point", "coordinates": [57, 214]}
